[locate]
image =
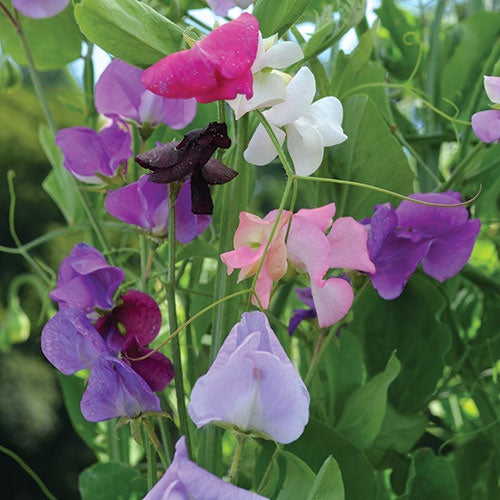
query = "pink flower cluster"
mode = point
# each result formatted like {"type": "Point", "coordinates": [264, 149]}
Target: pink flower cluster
{"type": "Point", "coordinates": [307, 249]}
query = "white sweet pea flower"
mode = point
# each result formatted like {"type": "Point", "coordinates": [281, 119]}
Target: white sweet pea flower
{"type": "Point", "coordinates": [269, 86]}
{"type": "Point", "coordinates": [309, 127]}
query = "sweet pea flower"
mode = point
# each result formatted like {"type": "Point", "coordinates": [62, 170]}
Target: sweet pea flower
{"type": "Point", "coordinates": [299, 315]}
{"type": "Point", "coordinates": [309, 127]}
{"type": "Point", "coordinates": [145, 204]}
{"type": "Point", "coordinates": [40, 9]}
{"type": "Point", "coordinates": [185, 480]}
{"type": "Point", "coordinates": [71, 343]}
{"type": "Point", "coordinates": [86, 281]}
{"type": "Point", "coordinates": [221, 7]}
{"type": "Point", "coordinates": [191, 158]}
{"type": "Point", "coordinates": [215, 68]}
{"type": "Point", "coordinates": [486, 124]}
{"type": "Point", "coordinates": [252, 386]}
{"type": "Point", "coordinates": [91, 155]}
{"type": "Point", "coordinates": [308, 250]}
{"type": "Point", "coordinates": [269, 87]}
{"type": "Point", "coordinates": [441, 238]}
{"type": "Point", "coordinates": [120, 93]}
{"type": "Point", "coordinates": [132, 324]}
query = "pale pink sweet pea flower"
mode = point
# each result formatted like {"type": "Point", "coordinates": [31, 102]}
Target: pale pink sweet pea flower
{"type": "Point", "coordinates": [215, 68]}
{"type": "Point", "coordinates": [486, 124]}
{"type": "Point", "coordinates": [309, 127]}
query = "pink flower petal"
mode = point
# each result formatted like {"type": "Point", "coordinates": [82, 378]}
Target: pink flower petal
{"type": "Point", "coordinates": [242, 258]}
{"type": "Point", "coordinates": [332, 301]}
{"type": "Point", "coordinates": [320, 217]}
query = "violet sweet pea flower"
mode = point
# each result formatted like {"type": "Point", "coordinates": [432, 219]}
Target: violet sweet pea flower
{"type": "Point", "coordinates": [441, 238]}
{"type": "Point", "coordinates": [221, 7]}
{"type": "Point", "coordinates": [91, 155]}
{"type": "Point", "coordinates": [486, 124]}
{"type": "Point", "coordinates": [120, 93]}
{"type": "Point", "coordinates": [40, 9]}
{"type": "Point", "coordinates": [86, 281]}
{"type": "Point", "coordinates": [145, 204]}
{"type": "Point", "coordinates": [185, 480]}
{"type": "Point", "coordinates": [71, 343]}
{"type": "Point", "coordinates": [299, 315]}
{"type": "Point", "coordinates": [252, 386]}
{"type": "Point", "coordinates": [215, 68]}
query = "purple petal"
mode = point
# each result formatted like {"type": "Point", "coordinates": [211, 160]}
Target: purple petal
{"type": "Point", "coordinates": [492, 88]}
{"type": "Point", "coordinates": [40, 9]}
{"type": "Point", "coordinates": [85, 280]}
{"type": "Point", "coordinates": [380, 227]}
{"type": "Point", "coordinates": [176, 113]}
{"type": "Point", "coordinates": [300, 315]}
{"type": "Point", "coordinates": [486, 125]}
{"type": "Point", "coordinates": [115, 390]}
{"type": "Point", "coordinates": [188, 225]}
{"type": "Point", "coordinates": [305, 295]}
{"type": "Point", "coordinates": [70, 342]}
{"type": "Point", "coordinates": [118, 142]}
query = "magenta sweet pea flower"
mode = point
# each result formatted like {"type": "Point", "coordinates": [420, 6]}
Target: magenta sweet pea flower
{"type": "Point", "coordinates": [185, 480]}
{"type": "Point", "coordinates": [215, 68]}
{"type": "Point", "coordinates": [441, 238]}
{"type": "Point", "coordinates": [221, 7]}
{"type": "Point", "coordinates": [86, 281]}
{"type": "Point", "coordinates": [145, 204]}
{"type": "Point", "coordinates": [91, 155]}
{"type": "Point", "coordinates": [40, 9]}
{"type": "Point", "coordinates": [120, 93]}
{"type": "Point", "coordinates": [71, 343]}
{"type": "Point", "coordinates": [486, 124]}
{"type": "Point", "coordinates": [252, 386]}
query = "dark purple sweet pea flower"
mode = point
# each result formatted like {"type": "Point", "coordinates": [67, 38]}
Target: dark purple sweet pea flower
{"type": "Point", "coordinates": [91, 155]}
{"type": "Point", "coordinates": [40, 9]}
{"type": "Point", "coordinates": [71, 343]}
{"type": "Point", "coordinates": [252, 385]}
{"type": "Point", "coordinates": [299, 315]}
{"type": "Point", "coordinates": [184, 480]}
{"type": "Point", "coordinates": [86, 281]}
{"type": "Point", "coordinates": [441, 238]}
{"type": "Point", "coordinates": [191, 158]}
{"type": "Point", "coordinates": [486, 124]}
{"type": "Point", "coordinates": [128, 328]}
{"type": "Point", "coordinates": [120, 93]}
{"type": "Point", "coordinates": [145, 204]}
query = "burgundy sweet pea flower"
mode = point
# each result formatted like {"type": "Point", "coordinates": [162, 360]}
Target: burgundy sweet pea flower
{"type": "Point", "coordinates": [40, 9]}
{"type": "Point", "coordinates": [191, 158]}
{"type": "Point", "coordinates": [185, 480]}
{"type": "Point", "coordinates": [441, 238]}
{"type": "Point", "coordinates": [215, 68]}
{"type": "Point", "coordinates": [145, 204]}
{"type": "Point", "coordinates": [128, 328]}
{"type": "Point", "coordinates": [486, 124]}
{"type": "Point", "coordinates": [71, 343]}
{"type": "Point", "coordinates": [91, 155]}
{"type": "Point", "coordinates": [86, 281]}
{"type": "Point", "coordinates": [120, 93]}
{"type": "Point", "coordinates": [252, 386]}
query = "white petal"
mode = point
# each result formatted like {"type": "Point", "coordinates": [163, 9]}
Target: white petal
{"type": "Point", "coordinates": [283, 55]}
{"type": "Point", "coordinates": [299, 95]}
{"type": "Point", "coordinates": [261, 150]}
{"type": "Point", "coordinates": [326, 115]}
{"type": "Point", "coordinates": [492, 87]}
{"type": "Point", "coordinates": [305, 146]}
{"type": "Point", "coordinates": [260, 58]}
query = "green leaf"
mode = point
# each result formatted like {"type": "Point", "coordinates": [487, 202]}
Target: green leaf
{"type": "Point", "coordinates": [128, 29]}
{"type": "Point", "coordinates": [328, 484]}
{"type": "Point", "coordinates": [277, 17]}
{"type": "Point", "coordinates": [60, 184]}
{"type": "Point", "coordinates": [112, 481]}
{"type": "Point", "coordinates": [296, 478]}
{"type": "Point", "coordinates": [53, 42]}
{"type": "Point", "coordinates": [198, 249]}
{"type": "Point", "coordinates": [371, 155]}
{"type": "Point", "coordinates": [319, 441]}
{"type": "Point", "coordinates": [364, 411]}
{"type": "Point", "coordinates": [10, 74]}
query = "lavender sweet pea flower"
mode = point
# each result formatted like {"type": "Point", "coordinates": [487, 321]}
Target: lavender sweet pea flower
{"type": "Point", "coordinates": [221, 7]}
{"type": "Point", "coordinates": [486, 124]}
{"type": "Point", "coordinates": [145, 204]}
{"type": "Point", "coordinates": [441, 238]}
{"type": "Point", "coordinates": [120, 93]}
{"type": "Point", "coordinates": [71, 343]}
{"type": "Point", "coordinates": [86, 281]}
{"type": "Point", "coordinates": [185, 480]}
{"type": "Point", "coordinates": [40, 9]}
{"type": "Point", "coordinates": [252, 386]}
{"type": "Point", "coordinates": [88, 153]}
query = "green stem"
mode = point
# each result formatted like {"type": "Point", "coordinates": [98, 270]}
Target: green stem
{"type": "Point", "coordinates": [150, 459]}
{"type": "Point", "coordinates": [88, 87]}
{"type": "Point", "coordinates": [172, 318]}
{"type": "Point", "coordinates": [113, 450]}
{"type": "Point", "coordinates": [238, 451]}
{"type": "Point", "coordinates": [461, 168]}
{"type": "Point", "coordinates": [39, 241]}
{"type": "Point", "coordinates": [29, 471]}
{"type": "Point", "coordinates": [154, 441]}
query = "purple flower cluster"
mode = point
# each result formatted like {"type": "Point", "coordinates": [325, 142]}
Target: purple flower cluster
{"type": "Point", "coordinates": [118, 385]}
